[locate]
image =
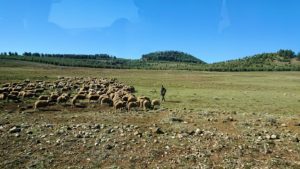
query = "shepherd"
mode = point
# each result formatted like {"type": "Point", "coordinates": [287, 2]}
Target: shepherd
{"type": "Point", "coordinates": [163, 93]}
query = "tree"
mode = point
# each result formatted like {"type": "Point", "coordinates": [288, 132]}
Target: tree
{"type": "Point", "coordinates": [298, 56]}
{"type": "Point", "coordinates": [288, 54]}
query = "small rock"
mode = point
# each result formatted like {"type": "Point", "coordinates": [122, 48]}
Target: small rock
{"type": "Point", "coordinates": [29, 132]}
{"type": "Point", "coordinates": [297, 124]}
{"type": "Point", "coordinates": [295, 139]}
{"type": "Point", "coordinates": [108, 146]}
{"type": "Point", "coordinates": [175, 119]}
{"type": "Point", "coordinates": [157, 130]}
{"type": "Point", "coordinates": [97, 142]}
{"type": "Point", "coordinates": [137, 134]}
{"type": "Point", "coordinates": [49, 125]}
{"type": "Point", "coordinates": [273, 136]}
{"type": "Point", "coordinates": [15, 129]}
{"type": "Point", "coordinates": [198, 131]}
{"type": "Point", "coordinates": [78, 135]}
{"type": "Point", "coordinates": [283, 125]}
{"type": "Point", "coordinates": [179, 136]}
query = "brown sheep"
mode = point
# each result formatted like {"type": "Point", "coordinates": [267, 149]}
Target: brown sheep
{"type": "Point", "coordinates": [3, 96]}
{"type": "Point", "coordinates": [40, 104]}
{"type": "Point", "coordinates": [39, 90]}
{"type": "Point", "coordinates": [119, 104]}
{"type": "Point", "coordinates": [107, 101]}
{"type": "Point", "coordinates": [103, 96]}
{"type": "Point", "coordinates": [63, 98]}
{"type": "Point", "coordinates": [94, 97]}
{"type": "Point", "coordinates": [13, 98]}
{"type": "Point", "coordinates": [77, 97]}
{"type": "Point", "coordinates": [15, 93]}
{"type": "Point", "coordinates": [132, 105]}
{"type": "Point", "coordinates": [6, 85]}
{"type": "Point", "coordinates": [73, 101]}
{"type": "Point", "coordinates": [4, 89]}
{"type": "Point", "coordinates": [125, 98]}
{"type": "Point", "coordinates": [43, 97]}
{"type": "Point", "coordinates": [155, 102]}
{"type": "Point", "coordinates": [80, 97]}
{"type": "Point", "coordinates": [53, 97]}
{"type": "Point", "coordinates": [131, 98]}
{"type": "Point", "coordinates": [146, 104]}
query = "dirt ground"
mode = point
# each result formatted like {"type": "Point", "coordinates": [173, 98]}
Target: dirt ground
{"type": "Point", "coordinates": [101, 137]}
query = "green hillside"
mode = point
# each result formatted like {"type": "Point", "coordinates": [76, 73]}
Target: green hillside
{"type": "Point", "coordinates": [283, 60]}
{"type": "Point", "coordinates": [172, 56]}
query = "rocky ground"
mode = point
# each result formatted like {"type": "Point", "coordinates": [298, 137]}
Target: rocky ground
{"type": "Point", "coordinates": [100, 137]}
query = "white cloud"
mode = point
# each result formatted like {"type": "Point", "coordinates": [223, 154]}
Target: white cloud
{"type": "Point", "coordinates": [72, 14]}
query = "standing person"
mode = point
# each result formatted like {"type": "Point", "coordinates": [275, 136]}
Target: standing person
{"type": "Point", "coordinates": [163, 93]}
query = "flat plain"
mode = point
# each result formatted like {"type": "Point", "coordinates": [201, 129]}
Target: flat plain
{"type": "Point", "coordinates": [209, 120]}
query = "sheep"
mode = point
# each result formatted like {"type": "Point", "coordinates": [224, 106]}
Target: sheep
{"type": "Point", "coordinates": [155, 102]}
{"type": "Point", "coordinates": [77, 97]}
{"type": "Point", "coordinates": [3, 96]}
{"type": "Point", "coordinates": [53, 97]}
{"type": "Point", "coordinates": [146, 104]}
{"type": "Point", "coordinates": [73, 101]}
{"type": "Point", "coordinates": [4, 89]}
{"type": "Point", "coordinates": [41, 104]}
{"type": "Point", "coordinates": [93, 97]}
{"type": "Point", "coordinates": [6, 85]}
{"type": "Point", "coordinates": [17, 88]}
{"type": "Point", "coordinates": [141, 100]}
{"type": "Point", "coordinates": [63, 98]}
{"type": "Point", "coordinates": [131, 98]}
{"type": "Point", "coordinates": [125, 98]}
{"type": "Point", "coordinates": [132, 105]}
{"type": "Point", "coordinates": [103, 96]}
{"type": "Point", "coordinates": [106, 101]}
{"type": "Point", "coordinates": [12, 97]}
{"type": "Point", "coordinates": [119, 104]}
{"type": "Point", "coordinates": [15, 93]}
{"type": "Point", "coordinates": [80, 96]}
{"type": "Point", "coordinates": [39, 90]}
{"type": "Point", "coordinates": [26, 94]}
{"type": "Point", "coordinates": [43, 97]}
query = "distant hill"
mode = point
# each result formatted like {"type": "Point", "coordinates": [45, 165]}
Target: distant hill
{"type": "Point", "coordinates": [283, 60]}
{"type": "Point", "coordinates": [279, 61]}
{"type": "Point", "coordinates": [172, 56]}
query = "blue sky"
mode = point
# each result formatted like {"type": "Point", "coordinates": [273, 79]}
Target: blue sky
{"type": "Point", "coordinates": [212, 30]}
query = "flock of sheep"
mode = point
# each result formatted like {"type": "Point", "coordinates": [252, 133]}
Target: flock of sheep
{"type": "Point", "coordinates": [76, 90]}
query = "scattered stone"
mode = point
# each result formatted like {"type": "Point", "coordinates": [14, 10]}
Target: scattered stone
{"type": "Point", "coordinates": [97, 142]}
{"type": "Point", "coordinates": [15, 129]}
{"type": "Point", "coordinates": [297, 124]}
{"type": "Point", "coordinates": [273, 136]}
{"type": "Point", "coordinates": [108, 147]}
{"type": "Point", "coordinates": [137, 133]}
{"type": "Point", "coordinates": [175, 119]}
{"type": "Point", "coordinates": [295, 139]}
{"type": "Point", "coordinates": [78, 135]}
{"type": "Point", "coordinates": [283, 125]}
{"type": "Point", "coordinates": [29, 132]}
{"type": "Point", "coordinates": [157, 130]}
{"type": "Point", "coordinates": [198, 131]}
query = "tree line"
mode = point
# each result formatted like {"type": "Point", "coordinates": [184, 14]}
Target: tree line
{"type": "Point", "coordinates": [283, 60]}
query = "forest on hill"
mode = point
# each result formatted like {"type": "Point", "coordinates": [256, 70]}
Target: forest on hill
{"type": "Point", "coordinates": [283, 60]}
{"type": "Point", "coordinates": [172, 56]}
